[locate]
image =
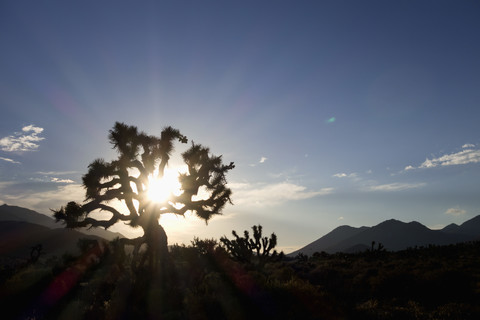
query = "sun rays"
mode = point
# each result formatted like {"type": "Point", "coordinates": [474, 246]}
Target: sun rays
{"type": "Point", "coordinates": [161, 190]}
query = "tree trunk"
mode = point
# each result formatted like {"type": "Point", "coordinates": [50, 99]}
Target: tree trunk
{"type": "Point", "coordinates": [157, 245]}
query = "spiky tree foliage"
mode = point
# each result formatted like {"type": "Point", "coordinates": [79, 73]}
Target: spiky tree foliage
{"type": "Point", "coordinates": [245, 249]}
{"type": "Point", "coordinates": [141, 158]}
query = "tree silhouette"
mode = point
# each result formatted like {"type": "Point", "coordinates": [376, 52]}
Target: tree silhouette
{"type": "Point", "coordinates": [244, 249]}
{"type": "Point", "coordinates": [141, 158]}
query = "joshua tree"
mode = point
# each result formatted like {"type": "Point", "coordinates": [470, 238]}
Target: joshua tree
{"type": "Point", "coordinates": [35, 253]}
{"type": "Point", "coordinates": [244, 248]}
{"type": "Point", "coordinates": [142, 159]}
{"type": "Point", "coordinates": [379, 248]}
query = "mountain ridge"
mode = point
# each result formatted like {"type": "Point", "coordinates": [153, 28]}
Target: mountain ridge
{"type": "Point", "coordinates": [393, 234]}
{"type": "Point", "coordinates": [16, 213]}
{"type": "Point", "coordinates": [55, 242]}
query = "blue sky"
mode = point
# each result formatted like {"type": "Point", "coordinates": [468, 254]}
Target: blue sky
{"type": "Point", "coordinates": [334, 112]}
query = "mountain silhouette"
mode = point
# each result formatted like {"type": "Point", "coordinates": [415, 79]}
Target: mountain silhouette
{"type": "Point", "coordinates": [14, 213]}
{"type": "Point", "coordinates": [18, 237]}
{"type": "Point", "coordinates": [338, 235]}
{"type": "Point", "coordinates": [451, 228]}
{"type": "Point", "coordinates": [394, 235]}
{"type": "Point", "coordinates": [471, 228]}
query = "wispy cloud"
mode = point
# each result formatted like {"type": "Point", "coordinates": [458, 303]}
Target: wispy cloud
{"type": "Point", "coordinates": [48, 179]}
{"type": "Point", "coordinates": [340, 175]}
{"type": "Point", "coordinates": [345, 175]}
{"type": "Point", "coordinates": [9, 160]}
{"type": "Point", "coordinates": [262, 160]}
{"type": "Point", "coordinates": [462, 157]}
{"type": "Point", "coordinates": [27, 140]}
{"type": "Point", "coordinates": [287, 174]}
{"type": "Point", "coordinates": [55, 173]}
{"type": "Point", "coordinates": [395, 186]}
{"type": "Point", "coordinates": [50, 176]}
{"type": "Point", "coordinates": [57, 180]}
{"type": "Point", "coordinates": [455, 212]}
{"type": "Point", "coordinates": [266, 195]}
{"type": "Point", "coordinates": [41, 201]}
{"type": "Point", "coordinates": [466, 156]}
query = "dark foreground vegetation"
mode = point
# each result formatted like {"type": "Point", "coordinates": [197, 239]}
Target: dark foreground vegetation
{"type": "Point", "coordinates": [212, 279]}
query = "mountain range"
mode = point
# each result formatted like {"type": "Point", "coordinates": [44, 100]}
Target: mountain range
{"type": "Point", "coordinates": [21, 229]}
{"type": "Point", "coordinates": [394, 235]}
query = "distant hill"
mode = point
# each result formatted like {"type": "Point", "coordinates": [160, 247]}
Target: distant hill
{"type": "Point", "coordinates": [394, 235]}
{"type": "Point", "coordinates": [470, 228]}
{"type": "Point", "coordinates": [14, 213]}
{"type": "Point", "coordinates": [338, 235]}
{"type": "Point", "coordinates": [451, 228]}
{"type": "Point", "coordinates": [18, 237]}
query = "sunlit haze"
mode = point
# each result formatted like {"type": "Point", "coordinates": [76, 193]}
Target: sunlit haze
{"type": "Point", "coordinates": [160, 189]}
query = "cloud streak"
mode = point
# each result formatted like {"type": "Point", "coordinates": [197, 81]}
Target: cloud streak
{"type": "Point", "coordinates": [48, 179]}
{"type": "Point", "coordinates": [268, 195]}
{"type": "Point", "coordinates": [57, 180]}
{"type": "Point", "coordinates": [462, 157]}
{"type": "Point", "coordinates": [390, 187]}
{"type": "Point", "coordinates": [55, 173]}
{"type": "Point", "coordinates": [9, 160]}
{"type": "Point", "coordinates": [345, 175]}
{"type": "Point", "coordinates": [466, 156]}
{"type": "Point", "coordinates": [27, 140]}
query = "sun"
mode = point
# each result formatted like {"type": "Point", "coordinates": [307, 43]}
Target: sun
{"type": "Point", "coordinates": [161, 190]}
